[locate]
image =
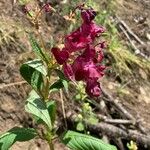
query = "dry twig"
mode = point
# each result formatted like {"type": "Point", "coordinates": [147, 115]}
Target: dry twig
{"type": "Point", "coordinates": [11, 84]}
{"type": "Point", "coordinates": [137, 51]}
{"type": "Point", "coordinates": [126, 29]}
{"type": "Point", "coordinates": [123, 111]}
{"type": "Point", "coordinates": [113, 131]}
{"type": "Point", "coordinates": [130, 31]}
{"type": "Point", "coordinates": [115, 121]}
{"type": "Point", "coordinates": [118, 106]}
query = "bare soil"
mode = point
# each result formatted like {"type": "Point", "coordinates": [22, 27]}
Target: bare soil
{"type": "Point", "coordinates": [136, 14]}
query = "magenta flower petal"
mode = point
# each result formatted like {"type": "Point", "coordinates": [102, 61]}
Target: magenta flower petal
{"type": "Point", "coordinates": [88, 15]}
{"type": "Point", "coordinates": [76, 41]}
{"type": "Point", "coordinates": [60, 56]}
{"type": "Point", "coordinates": [47, 7]}
{"type": "Point", "coordinates": [93, 88]}
{"type": "Point", "coordinates": [89, 52]}
{"type": "Point", "coordinates": [84, 66]}
{"type": "Point", "coordinates": [78, 68]}
{"type": "Point", "coordinates": [92, 29]}
{"type": "Point", "coordinates": [100, 56]}
{"type": "Point", "coordinates": [92, 72]}
{"type": "Point", "coordinates": [68, 71]}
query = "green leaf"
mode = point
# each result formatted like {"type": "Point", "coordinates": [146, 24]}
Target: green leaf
{"type": "Point", "coordinates": [51, 106]}
{"type": "Point", "coordinates": [63, 79]}
{"type": "Point", "coordinates": [36, 48]}
{"type": "Point", "coordinates": [36, 64]}
{"type": "Point", "coordinates": [36, 80]}
{"type": "Point", "coordinates": [60, 74]}
{"type": "Point", "coordinates": [59, 84]}
{"type": "Point", "coordinates": [16, 134]}
{"type": "Point", "coordinates": [37, 107]}
{"type": "Point", "coordinates": [66, 86]}
{"type": "Point", "coordinates": [78, 141]}
{"type": "Point", "coordinates": [33, 72]}
{"type": "Point", "coordinates": [56, 86]}
{"type": "Point", "coordinates": [92, 120]}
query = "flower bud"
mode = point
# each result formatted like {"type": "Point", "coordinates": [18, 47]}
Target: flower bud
{"type": "Point", "coordinates": [93, 88]}
{"type": "Point", "coordinates": [60, 56]}
{"type": "Point", "coordinates": [47, 7]}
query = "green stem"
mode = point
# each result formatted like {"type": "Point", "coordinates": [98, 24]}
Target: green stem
{"type": "Point", "coordinates": [46, 91]}
{"type": "Point", "coordinates": [51, 146]}
{"type": "Point", "coordinates": [49, 138]}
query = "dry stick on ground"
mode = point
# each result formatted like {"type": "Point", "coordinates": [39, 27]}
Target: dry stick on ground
{"type": "Point", "coordinates": [118, 106]}
{"type": "Point", "coordinates": [113, 131]}
{"type": "Point", "coordinates": [126, 29]}
{"type": "Point", "coordinates": [11, 84]}
{"type": "Point", "coordinates": [123, 111]}
{"type": "Point", "coordinates": [130, 31]}
{"type": "Point", "coordinates": [115, 121]}
{"type": "Point", "coordinates": [137, 51]}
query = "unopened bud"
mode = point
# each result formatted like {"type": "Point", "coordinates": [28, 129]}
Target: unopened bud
{"type": "Point", "coordinates": [80, 116]}
{"type": "Point", "coordinates": [47, 7]}
{"type": "Point", "coordinates": [25, 9]}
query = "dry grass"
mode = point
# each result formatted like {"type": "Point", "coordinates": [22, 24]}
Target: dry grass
{"type": "Point", "coordinates": [124, 61]}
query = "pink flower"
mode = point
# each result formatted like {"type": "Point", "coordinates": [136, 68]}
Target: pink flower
{"type": "Point", "coordinates": [47, 7]}
{"type": "Point", "coordinates": [88, 15]}
{"type": "Point", "coordinates": [60, 56]}
{"type": "Point", "coordinates": [26, 9]}
{"type": "Point", "coordinates": [91, 29]}
{"type": "Point", "coordinates": [68, 71]}
{"type": "Point", "coordinates": [76, 41]}
{"type": "Point", "coordinates": [84, 66]}
{"type": "Point", "coordinates": [92, 71]}
{"type": "Point", "coordinates": [89, 52]}
{"type": "Point", "coordinates": [78, 68]}
{"type": "Point", "coordinates": [93, 88]}
{"type": "Point", "coordinates": [83, 36]}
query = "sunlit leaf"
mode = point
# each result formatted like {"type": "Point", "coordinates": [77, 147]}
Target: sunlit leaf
{"type": "Point", "coordinates": [78, 141]}
{"type": "Point", "coordinates": [33, 72]}
{"type": "Point", "coordinates": [37, 49]}
{"type": "Point", "coordinates": [51, 106]}
{"type": "Point", "coordinates": [37, 107]}
{"type": "Point", "coordinates": [16, 134]}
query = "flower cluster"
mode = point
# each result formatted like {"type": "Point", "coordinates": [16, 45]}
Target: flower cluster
{"type": "Point", "coordinates": [86, 66]}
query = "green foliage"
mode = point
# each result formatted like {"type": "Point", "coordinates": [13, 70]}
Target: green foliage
{"type": "Point", "coordinates": [37, 64]}
{"type": "Point", "coordinates": [78, 141]}
{"type": "Point", "coordinates": [32, 72]}
{"type": "Point", "coordinates": [16, 134]}
{"type": "Point", "coordinates": [63, 79]}
{"type": "Point", "coordinates": [51, 106]}
{"type": "Point", "coordinates": [80, 126]}
{"type": "Point", "coordinates": [37, 49]}
{"type": "Point", "coordinates": [37, 107]}
{"type": "Point", "coordinates": [56, 86]}
{"type": "Point", "coordinates": [86, 115]}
